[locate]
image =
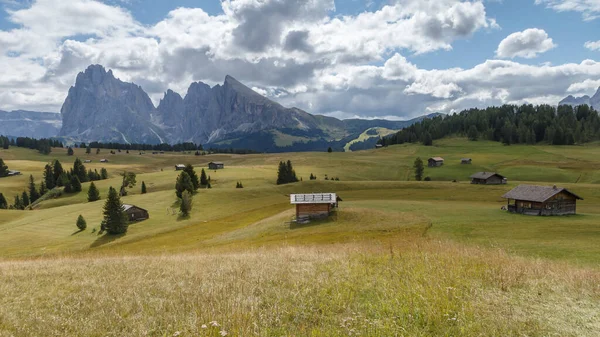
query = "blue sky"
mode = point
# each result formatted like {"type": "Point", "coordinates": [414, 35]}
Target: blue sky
{"type": "Point", "coordinates": [367, 58]}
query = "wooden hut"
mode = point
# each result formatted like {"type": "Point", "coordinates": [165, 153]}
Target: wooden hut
{"type": "Point", "coordinates": [104, 160]}
{"type": "Point", "coordinates": [435, 161]}
{"type": "Point", "coordinates": [466, 161]}
{"type": "Point", "coordinates": [135, 213]}
{"type": "Point", "coordinates": [542, 200]}
{"type": "Point", "coordinates": [214, 165]}
{"type": "Point", "coordinates": [488, 178]}
{"type": "Point", "coordinates": [179, 167]}
{"type": "Point", "coordinates": [314, 205]}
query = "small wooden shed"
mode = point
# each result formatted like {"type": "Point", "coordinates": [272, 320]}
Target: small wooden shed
{"type": "Point", "coordinates": [314, 205]}
{"type": "Point", "coordinates": [435, 162]}
{"type": "Point", "coordinates": [488, 178]}
{"type": "Point", "coordinates": [179, 167]}
{"type": "Point", "coordinates": [542, 200]}
{"type": "Point", "coordinates": [215, 165]}
{"type": "Point", "coordinates": [135, 213]}
{"type": "Point", "coordinates": [466, 161]}
{"type": "Point", "coordinates": [104, 160]}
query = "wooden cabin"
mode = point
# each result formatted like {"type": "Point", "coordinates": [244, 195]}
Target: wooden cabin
{"type": "Point", "coordinates": [179, 167]}
{"type": "Point", "coordinates": [104, 160]}
{"type": "Point", "coordinates": [541, 200]}
{"type": "Point", "coordinates": [314, 205]}
{"type": "Point", "coordinates": [488, 178]}
{"type": "Point", "coordinates": [466, 161]}
{"type": "Point", "coordinates": [378, 146]}
{"type": "Point", "coordinates": [13, 173]}
{"type": "Point", "coordinates": [214, 165]}
{"type": "Point", "coordinates": [135, 213]}
{"type": "Point", "coordinates": [87, 161]}
{"type": "Point", "coordinates": [435, 162]}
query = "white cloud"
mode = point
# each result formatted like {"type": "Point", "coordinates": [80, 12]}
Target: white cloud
{"type": "Point", "coordinates": [587, 86]}
{"type": "Point", "coordinates": [590, 9]}
{"type": "Point", "coordinates": [592, 45]}
{"type": "Point", "coordinates": [527, 44]}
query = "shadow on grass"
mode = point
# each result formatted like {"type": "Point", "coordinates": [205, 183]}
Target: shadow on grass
{"type": "Point", "coordinates": [312, 223]}
{"type": "Point", "coordinates": [181, 217]}
{"type": "Point", "coordinates": [105, 239]}
{"type": "Point", "coordinates": [77, 232]}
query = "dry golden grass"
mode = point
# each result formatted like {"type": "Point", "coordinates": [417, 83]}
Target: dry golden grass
{"type": "Point", "coordinates": [405, 287]}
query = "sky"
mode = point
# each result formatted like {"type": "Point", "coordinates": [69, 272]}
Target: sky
{"type": "Point", "coordinates": [393, 59]}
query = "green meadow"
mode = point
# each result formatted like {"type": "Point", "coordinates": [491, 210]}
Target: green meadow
{"type": "Point", "coordinates": [399, 257]}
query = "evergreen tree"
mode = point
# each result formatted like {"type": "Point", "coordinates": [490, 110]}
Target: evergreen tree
{"type": "Point", "coordinates": [203, 180]}
{"type": "Point", "coordinates": [3, 202]}
{"type": "Point", "coordinates": [58, 172]}
{"type": "Point", "coordinates": [427, 139]}
{"type": "Point", "coordinates": [184, 183]}
{"type": "Point", "coordinates": [186, 203]}
{"type": "Point", "coordinates": [419, 169]}
{"type": "Point", "coordinates": [115, 219]}
{"type": "Point", "coordinates": [81, 224]}
{"type": "Point", "coordinates": [127, 182]}
{"type": "Point", "coordinates": [70, 151]}
{"type": "Point", "coordinates": [189, 169]}
{"type": "Point", "coordinates": [24, 199]}
{"type": "Point", "coordinates": [93, 193]}
{"type": "Point", "coordinates": [103, 174]}
{"type": "Point", "coordinates": [473, 133]}
{"type": "Point", "coordinates": [88, 150]}
{"type": "Point", "coordinates": [3, 169]}
{"type": "Point", "coordinates": [329, 149]}
{"type": "Point", "coordinates": [18, 203]}
{"type": "Point", "coordinates": [79, 171]}
{"type": "Point", "coordinates": [49, 179]}
{"type": "Point", "coordinates": [286, 173]}
{"type": "Point", "coordinates": [33, 192]}
{"type": "Point", "coordinates": [144, 191]}
{"type": "Point", "coordinates": [43, 188]}
{"type": "Point", "coordinates": [98, 151]}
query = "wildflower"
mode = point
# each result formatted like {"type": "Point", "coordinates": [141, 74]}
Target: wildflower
{"type": "Point", "coordinates": [223, 333]}
{"type": "Point", "coordinates": [177, 333]}
{"type": "Point", "coordinates": [214, 323]}
{"type": "Point", "coordinates": [204, 326]}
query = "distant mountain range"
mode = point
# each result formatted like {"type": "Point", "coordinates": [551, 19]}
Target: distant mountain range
{"type": "Point", "coordinates": [33, 124]}
{"type": "Point", "coordinates": [100, 107]}
{"type": "Point", "coordinates": [593, 101]}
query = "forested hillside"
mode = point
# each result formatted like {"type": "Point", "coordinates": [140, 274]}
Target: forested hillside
{"type": "Point", "coordinates": [510, 124]}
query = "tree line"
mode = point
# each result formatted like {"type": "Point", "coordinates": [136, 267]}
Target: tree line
{"type": "Point", "coordinates": [509, 124]}
{"type": "Point", "coordinates": [43, 145]}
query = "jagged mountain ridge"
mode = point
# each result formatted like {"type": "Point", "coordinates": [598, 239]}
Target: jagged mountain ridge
{"type": "Point", "coordinates": [100, 107]}
{"type": "Point", "coordinates": [593, 101]}
{"type": "Point", "coordinates": [21, 123]}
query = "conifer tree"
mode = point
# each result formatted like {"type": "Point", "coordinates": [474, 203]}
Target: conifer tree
{"type": "Point", "coordinates": [81, 224]}
{"type": "Point", "coordinates": [18, 203]}
{"type": "Point", "coordinates": [186, 203]}
{"type": "Point", "coordinates": [189, 169]}
{"type": "Point", "coordinates": [49, 179]}
{"type": "Point", "coordinates": [74, 185]}
{"type": "Point", "coordinates": [98, 151]}
{"type": "Point", "coordinates": [203, 180]}
{"type": "Point", "coordinates": [3, 169]}
{"type": "Point", "coordinates": [70, 151]}
{"type": "Point", "coordinates": [115, 219]}
{"type": "Point", "coordinates": [3, 202]}
{"type": "Point", "coordinates": [24, 199]}
{"type": "Point", "coordinates": [184, 183]}
{"type": "Point", "coordinates": [88, 150]}
{"type": "Point", "coordinates": [43, 188]}
{"type": "Point", "coordinates": [144, 191]}
{"type": "Point", "coordinates": [103, 174]}
{"type": "Point", "coordinates": [33, 192]}
{"type": "Point", "coordinates": [79, 171]}
{"type": "Point", "coordinates": [93, 193]}
{"type": "Point", "coordinates": [58, 171]}
{"type": "Point", "coordinates": [419, 169]}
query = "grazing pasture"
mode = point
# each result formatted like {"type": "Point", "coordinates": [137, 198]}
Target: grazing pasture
{"type": "Point", "coordinates": [399, 257]}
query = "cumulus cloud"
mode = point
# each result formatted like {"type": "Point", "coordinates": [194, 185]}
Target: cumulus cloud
{"type": "Point", "coordinates": [590, 9]}
{"type": "Point", "coordinates": [592, 45]}
{"type": "Point", "coordinates": [587, 86]}
{"type": "Point", "coordinates": [527, 44]}
{"type": "Point", "coordinates": [297, 52]}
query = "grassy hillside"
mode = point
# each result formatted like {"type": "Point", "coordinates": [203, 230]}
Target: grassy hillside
{"type": "Point", "coordinates": [399, 257]}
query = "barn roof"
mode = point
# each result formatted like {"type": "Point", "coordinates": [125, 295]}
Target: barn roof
{"type": "Point", "coordinates": [536, 193]}
{"type": "Point", "coordinates": [466, 159]}
{"type": "Point", "coordinates": [180, 165]}
{"type": "Point", "coordinates": [216, 163]}
{"type": "Point", "coordinates": [127, 207]}
{"type": "Point", "coordinates": [436, 158]}
{"type": "Point", "coordinates": [486, 175]}
{"type": "Point", "coordinates": [314, 198]}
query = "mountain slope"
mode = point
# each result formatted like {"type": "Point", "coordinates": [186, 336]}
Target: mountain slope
{"type": "Point", "coordinates": [22, 123]}
{"type": "Point", "coordinates": [593, 101]}
{"type": "Point", "coordinates": [101, 107]}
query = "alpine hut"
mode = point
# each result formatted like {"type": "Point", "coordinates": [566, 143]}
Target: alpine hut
{"type": "Point", "coordinates": [435, 161]}
{"type": "Point", "coordinates": [542, 200]}
{"type": "Point", "coordinates": [179, 167]}
{"type": "Point", "coordinates": [314, 205]}
{"type": "Point", "coordinates": [135, 213]}
{"type": "Point", "coordinates": [214, 165]}
{"type": "Point", "coordinates": [488, 178]}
